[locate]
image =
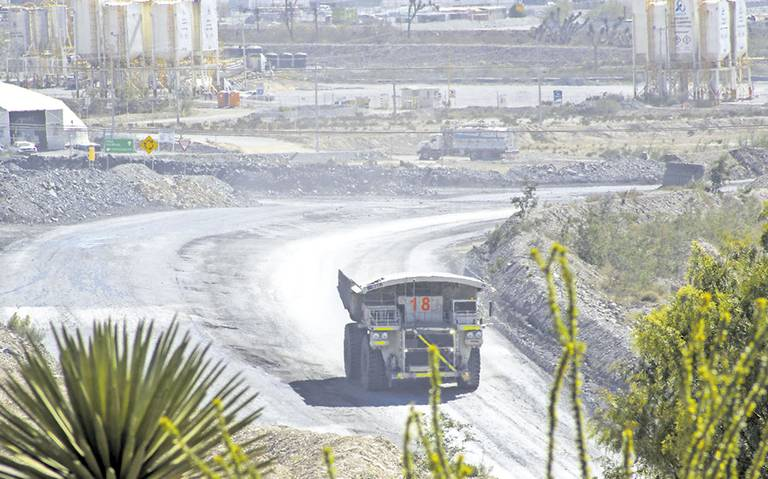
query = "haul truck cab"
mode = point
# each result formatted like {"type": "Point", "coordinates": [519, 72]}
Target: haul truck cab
{"type": "Point", "coordinates": [397, 317]}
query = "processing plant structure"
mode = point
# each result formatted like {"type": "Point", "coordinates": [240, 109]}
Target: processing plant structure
{"type": "Point", "coordinates": [691, 49]}
{"type": "Point", "coordinates": [114, 44]}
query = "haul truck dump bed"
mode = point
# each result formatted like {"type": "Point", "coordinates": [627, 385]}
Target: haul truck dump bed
{"type": "Point", "coordinates": [397, 317]}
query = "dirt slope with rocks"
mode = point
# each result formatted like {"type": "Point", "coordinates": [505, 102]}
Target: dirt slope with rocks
{"type": "Point", "coordinates": [519, 291]}
{"type": "Point", "coordinates": [298, 454]}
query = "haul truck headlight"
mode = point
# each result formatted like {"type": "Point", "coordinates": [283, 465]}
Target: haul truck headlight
{"type": "Point", "coordinates": [379, 339]}
{"type": "Point", "coordinates": [474, 337]}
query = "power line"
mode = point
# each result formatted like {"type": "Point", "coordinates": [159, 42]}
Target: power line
{"type": "Point", "coordinates": [310, 131]}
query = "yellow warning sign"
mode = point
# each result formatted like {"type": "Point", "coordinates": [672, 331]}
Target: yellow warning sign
{"type": "Point", "coordinates": [91, 153]}
{"type": "Point", "coordinates": [148, 144]}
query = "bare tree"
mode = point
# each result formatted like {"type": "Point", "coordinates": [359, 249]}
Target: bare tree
{"type": "Point", "coordinates": [414, 7]}
{"type": "Point", "coordinates": [289, 15]}
{"type": "Point", "coordinates": [602, 31]}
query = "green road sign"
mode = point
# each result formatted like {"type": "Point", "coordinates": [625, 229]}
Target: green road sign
{"type": "Point", "coordinates": [118, 145]}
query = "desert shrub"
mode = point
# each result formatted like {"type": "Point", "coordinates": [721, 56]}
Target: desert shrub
{"type": "Point", "coordinates": [22, 325]}
{"type": "Point", "coordinates": [696, 392]}
{"type": "Point", "coordinates": [639, 255]}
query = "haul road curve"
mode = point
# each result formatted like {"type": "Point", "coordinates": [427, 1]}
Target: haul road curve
{"type": "Point", "coordinates": [260, 284]}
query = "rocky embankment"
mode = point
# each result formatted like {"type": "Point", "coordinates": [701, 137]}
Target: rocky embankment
{"type": "Point", "coordinates": [73, 195]}
{"type": "Point", "coordinates": [519, 291]}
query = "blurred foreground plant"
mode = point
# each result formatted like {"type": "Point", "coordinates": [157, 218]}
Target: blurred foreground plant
{"type": "Point", "coordinates": [102, 420]}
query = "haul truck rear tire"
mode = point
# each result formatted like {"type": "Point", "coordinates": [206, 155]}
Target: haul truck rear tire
{"type": "Point", "coordinates": [473, 368]}
{"type": "Point", "coordinates": [352, 337]}
{"type": "Point", "coordinates": [373, 371]}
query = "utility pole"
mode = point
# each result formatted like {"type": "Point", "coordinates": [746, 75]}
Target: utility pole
{"type": "Point", "coordinates": [394, 101]}
{"type": "Point", "coordinates": [317, 138]}
{"type": "Point", "coordinates": [634, 59]}
{"type": "Point", "coordinates": [245, 61]}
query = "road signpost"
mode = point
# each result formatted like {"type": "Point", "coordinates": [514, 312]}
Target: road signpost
{"type": "Point", "coordinates": [118, 145]}
{"type": "Point", "coordinates": [148, 144]}
{"type": "Point", "coordinates": [184, 143]}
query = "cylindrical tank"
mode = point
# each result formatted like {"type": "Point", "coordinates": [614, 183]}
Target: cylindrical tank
{"type": "Point", "coordinates": [285, 60]}
{"type": "Point", "coordinates": [685, 18]}
{"type": "Point", "coordinates": [87, 14]}
{"type": "Point", "coordinates": [18, 20]}
{"type": "Point", "coordinates": [205, 26]}
{"type": "Point", "coordinates": [659, 32]}
{"type": "Point", "coordinates": [739, 33]}
{"type": "Point", "coordinates": [253, 50]}
{"type": "Point", "coordinates": [640, 28]}
{"type": "Point", "coordinates": [272, 60]}
{"type": "Point", "coordinates": [172, 30]}
{"type": "Point", "coordinates": [123, 39]}
{"type": "Point", "coordinates": [38, 22]}
{"type": "Point", "coordinates": [58, 27]}
{"type": "Point", "coordinates": [715, 31]}
{"type": "Point", "coordinates": [300, 60]}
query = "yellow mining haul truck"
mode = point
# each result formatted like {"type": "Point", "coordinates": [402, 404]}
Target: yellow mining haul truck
{"type": "Point", "coordinates": [397, 317]}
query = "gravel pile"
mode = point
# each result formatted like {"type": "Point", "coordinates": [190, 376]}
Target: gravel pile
{"type": "Point", "coordinates": [331, 179]}
{"type": "Point", "coordinates": [177, 191]}
{"type": "Point", "coordinates": [619, 170]}
{"type": "Point", "coordinates": [68, 196]}
{"type": "Point", "coordinates": [298, 454]}
{"type": "Point", "coordinates": [753, 160]}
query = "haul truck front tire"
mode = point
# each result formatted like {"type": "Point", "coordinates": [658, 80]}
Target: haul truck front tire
{"type": "Point", "coordinates": [352, 337]}
{"type": "Point", "coordinates": [473, 370]}
{"type": "Point", "coordinates": [373, 371]}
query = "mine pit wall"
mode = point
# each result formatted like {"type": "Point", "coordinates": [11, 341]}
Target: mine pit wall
{"type": "Point", "coordinates": [522, 312]}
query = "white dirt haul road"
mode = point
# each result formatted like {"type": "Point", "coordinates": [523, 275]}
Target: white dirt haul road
{"type": "Point", "coordinates": [260, 284]}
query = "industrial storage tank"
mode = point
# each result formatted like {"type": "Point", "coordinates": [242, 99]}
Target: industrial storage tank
{"type": "Point", "coordinates": [18, 22]}
{"type": "Point", "coordinates": [38, 24]}
{"type": "Point", "coordinates": [253, 50]}
{"type": "Point", "coordinates": [172, 30]}
{"type": "Point", "coordinates": [58, 24]}
{"type": "Point", "coordinates": [206, 26]}
{"type": "Point", "coordinates": [685, 22]}
{"type": "Point", "coordinates": [123, 39]}
{"type": "Point", "coordinates": [715, 31]}
{"type": "Point", "coordinates": [285, 60]}
{"type": "Point", "coordinates": [659, 32]}
{"type": "Point", "coordinates": [739, 33]}
{"type": "Point", "coordinates": [86, 28]}
{"type": "Point", "coordinates": [272, 60]}
{"type": "Point", "coordinates": [640, 28]}
{"type": "Point", "coordinates": [300, 60]}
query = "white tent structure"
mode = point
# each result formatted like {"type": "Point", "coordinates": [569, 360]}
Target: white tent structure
{"type": "Point", "coordinates": [31, 116]}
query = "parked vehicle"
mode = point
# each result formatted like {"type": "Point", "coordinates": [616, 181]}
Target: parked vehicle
{"type": "Point", "coordinates": [24, 147]}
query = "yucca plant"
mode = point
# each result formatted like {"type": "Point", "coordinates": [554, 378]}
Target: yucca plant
{"type": "Point", "coordinates": [102, 420]}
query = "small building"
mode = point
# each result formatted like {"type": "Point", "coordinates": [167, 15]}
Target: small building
{"type": "Point", "coordinates": [27, 115]}
{"type": "Point", "coordinates": [420, 98]}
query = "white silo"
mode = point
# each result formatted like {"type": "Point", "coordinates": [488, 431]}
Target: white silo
{"type": "Point", "coordinates": [86, 22]}
{"type": "Point", "coordinates": [640, 28]}
{"type": "Point", "coordinates": [686, 38]}
{"type": "Point", "coordinates": [20, 35]}
{"type": "Point", "coordinates": [38, 22]}
{"type": "Point", "coordinates": [715, 31]}
{"type": "Point", "coordinates": [739, 33]}
{"type": "Point", "coordinates": [58, 25]}
{"type": "Point", "coordinates": [172, 30]}
{"type": "Point", "coordinates": [123, 34]}
{"type": "Point", "coordinates": [659, 32]}
{"type": "Point", "coordinates": [206, 26]}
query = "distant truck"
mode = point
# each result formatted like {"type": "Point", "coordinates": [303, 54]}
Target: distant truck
{"type": "Point", "coordinates": [476, 141]}
{"type": "Point", "coordinates": [397, 317]}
